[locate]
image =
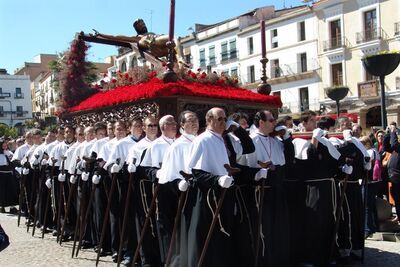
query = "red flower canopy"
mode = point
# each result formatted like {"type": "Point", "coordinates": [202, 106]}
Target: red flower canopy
{"type": "Point", "coordinates": [157, 88]}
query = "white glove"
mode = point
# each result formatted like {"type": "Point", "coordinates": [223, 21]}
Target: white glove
{"type": "Point", "coordinates": [44, 162]}
{"type": "Point", "coordinates": [96, 179]}
{"type": "Point", "coordinates": [158, 174]}
{"type": "Point", "coordinates": [229, 123]}
{"type": "Point", "coordinates": [25, 171]}
{"type": "Point", "coordinates": [367, 165]}
{"type": "Point", "coordinates": [261, 174]}
{"type": "Point", "coordinates": [61, 177]}
{"type": "Point", "coordinates": [347, 169]}
{"type": "Point", "coordinates": [225, 181]}
{"type": "Point", "coordinates": [48, 183]}
{"type": "Point", "coordinates": [183, 185]}
{"type": "Point", "coordinates": [36, 161]}
{"type": "Point", "coordinates": [282, 127]}
{"type": "Point", "coordinates": [83, 164]}
{"type": "Point", "coordinates": [72, 179]}
{"type": "Point", "coordinates": [131, 168]}
{"type": "Point", "coordinates": [85, 176]}
{"type": "Point", "coordinates": [318, 133]}
{"type": "Point", "coordinates": [115, 168]}
{"type": "Point", "coordinates": [347, 135]}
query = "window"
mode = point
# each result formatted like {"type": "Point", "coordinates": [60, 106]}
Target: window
{"type": "Point", "coordinates": [1, 111]}
{"type": "Point", "coordinates": [20, 111]}
{"type": "Point", "coordinates": [337, 74]}
{"type": "Point", "coordinates": [275, 69]}
{"type": "Point", "coordinates": [232, 49]}
{"type": "Point", "coordinates": [202, 57]}
{"type": "Point", "coordinates": [302, 31]}
{"type": "Point", "coordinates": [397, 83]}
{"type": "Point", "coordinates": [250, 46]}
{"type": "Point", "coordinates": [303, 62]}
{"type": "Point", "coordinates": [225, 73]}
{"type": "Point", "coordinates": [123, 66]}
{"type": "Point", "coordinates": [211, 54]}
{"type": "Point", "coordinates": [251, 75]}
{"type": "Point", "coordinates": [234, 72]}
{"type": "Point", "coordinates": [370, 25]}
{"type": "Point", "coordinates": [274, 38]}
{"type": "Point", "coordinates": [277, 94]}
{"type": "Point", "coordinates": [209, 68]}
{"type": "Point", "coordinates": [335, 34]}
{"type": "Point", "coordinates": [18, 93]}
{"type": "Point", "coordinates": [304, 102]}
{"type": "Point", "coordinates": [224, 51]}
{"type": "Point", "coordinates": [134, 62]}
{"type": "Point", "coordinates": [188, 59]}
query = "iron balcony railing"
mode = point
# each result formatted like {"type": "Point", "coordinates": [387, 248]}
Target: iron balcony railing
{"type": "Point", "coordinates": [295, 68]}
{"type": "Point", "coordinates": [335, 43]}
{"type": "Point", "coordinates": [371, 35]}
{"type": "Point", "coordinates": [18, 95]}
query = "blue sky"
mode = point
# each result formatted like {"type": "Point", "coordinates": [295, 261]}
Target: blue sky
{"type": "Point", "coordinates": [31, 27]}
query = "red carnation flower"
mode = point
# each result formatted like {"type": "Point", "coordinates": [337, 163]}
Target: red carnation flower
{"type": "Point", "coordinates": [114, 81]}
{"type": "Point", "coordinates": [193, 75]}
{"type": "Point", "coordinates": [126, 75]}
{"type": "Point", "coordinates": [105, 75]}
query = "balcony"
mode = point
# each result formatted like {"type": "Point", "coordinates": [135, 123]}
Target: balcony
{"type": "Point", "coordinates": [4, 95]}
{"type": "Point", "coordinates": [18, 95]}
{"type": "Point", "coordinates": [295, 71]}
{"type": "Point", "coordinates": [335, 43]}
{"type": "Point", "coordinates": [20, 113]}
{"type": "Point", "coordinates": [397, 28]}
{"type": "Point", "coordinates": [229, 55]}
{"type": "Point", "coordinates": [371, 35]}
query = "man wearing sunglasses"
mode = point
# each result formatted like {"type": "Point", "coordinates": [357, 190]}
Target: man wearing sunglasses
{"type": "Point", "coordinates": [274, 152]}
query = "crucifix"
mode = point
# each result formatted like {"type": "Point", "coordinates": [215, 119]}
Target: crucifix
{"type": "Point", "coordinates": [152, 47]}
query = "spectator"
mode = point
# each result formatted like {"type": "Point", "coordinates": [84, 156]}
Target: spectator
{"type": "Point", "coordinates": [394, 165]}
{"type": "Point", "coordinates": [357, 130]}
{"type": "Point", "coordinates": [8, 184]}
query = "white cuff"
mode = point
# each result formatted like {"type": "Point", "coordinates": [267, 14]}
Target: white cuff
{"type": "Point", "coordinates": [225, 181]}
{"type": "Point", "coordinates": [183, 185]}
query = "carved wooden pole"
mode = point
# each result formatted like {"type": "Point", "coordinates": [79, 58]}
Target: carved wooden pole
{"type": "Point", "coordinates": [170, 75]}
{"type": "Point", "coordinates": [263, 88]}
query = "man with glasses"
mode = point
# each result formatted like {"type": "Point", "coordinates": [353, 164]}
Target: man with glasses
{"type": "Point", "coordinates": [207, 159]}
{"type": "Point", "coordinates": [152, 163]}
{"type": "Point", "coordinates": [172, 184]}
{"type": "Point", "coordinates": [274, 148]}
{"type": "Point", "coordinates": [142, 191]}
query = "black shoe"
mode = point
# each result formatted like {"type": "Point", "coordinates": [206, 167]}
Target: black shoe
{"type": "Point", "coordinates": [13, 210]}
{"type": "Point", "coordinates": [86, 245]}
{"type": "Point", "coordinates": [114, 257]}
{"type": "Point", "coordinates": [127, 262]}
{"type": "Point", "coordinates": [2, 210]}
{"type": "Point", "coordinates": [54, 233]}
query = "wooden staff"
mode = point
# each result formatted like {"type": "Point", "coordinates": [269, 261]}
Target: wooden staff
{"type": "Point", "coordinates": [82, 228]}
{"type": "Point", "coordinates": [60, 201]}
{"type": "Point", "coordinates": [146, 222]}
{"type": "Point", "coordinates": [265, 165]}
{"type": "Point", "coordinates": [22, 190]}
{"type": "Point", "coordinates": [48, 199]}
{"type": "Point", "coordinates": [338, 214]}
{"type": "Point", "coordinates": [72, 191]}
{"type": "Point", "coordinates": [78, 224]}
{"type": "Point", "coordinates": [181, 201]}
{"type": "Point", "coordinates": [39, 198]}
{"type": "Point", "coordinates": [33, 193]}
{"type": "Point", "coordinates": [230, 171]}
{"type": "Point", "coordinates": [124, 222]}
{"type": "Point", "coordinates": [106, 214]}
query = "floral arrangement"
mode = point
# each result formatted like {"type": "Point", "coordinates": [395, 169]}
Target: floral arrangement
{"type": "Point", "coordinates": [157, 88]}
{"type": "Point", "coordinates": [142, 74]}
{"type": "Point", "coordinates": [73, 76]}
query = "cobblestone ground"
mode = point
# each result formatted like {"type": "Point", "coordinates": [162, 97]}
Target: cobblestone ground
{"type": "Point", "coordinates": [25, 250]}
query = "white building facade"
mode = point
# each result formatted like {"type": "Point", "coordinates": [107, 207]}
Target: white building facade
{"type": "Point", "coordinates": [234, 47]}
{"type": "Point", "coordinates": [15, 99]}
